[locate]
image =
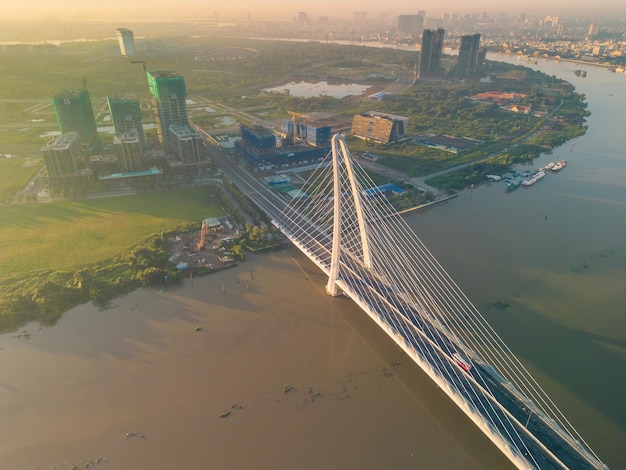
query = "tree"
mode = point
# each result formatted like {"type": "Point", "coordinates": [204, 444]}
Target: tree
{"type": "Point", "coordinates": [238, 252]}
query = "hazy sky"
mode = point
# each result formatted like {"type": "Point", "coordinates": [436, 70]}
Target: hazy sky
{"type": "Point", "coordinates": [154, 9]}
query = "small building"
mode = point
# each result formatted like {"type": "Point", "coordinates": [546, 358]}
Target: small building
{"type": "Point", "coordinates": [213, 223]}
{"type": "Point", "coordinates": [518, 108]}
{"type": "Point", "coordinates": [383, 189]}
{"type": "Point", "coordinates": [379, 127]}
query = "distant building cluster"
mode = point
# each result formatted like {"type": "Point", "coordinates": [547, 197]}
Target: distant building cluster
{"type": "Point", "coordinates": [410, 25]}
{"type": "Point", "coordinates": [77, 151]}
{"type": "Point", "coordinates": [301, 141]}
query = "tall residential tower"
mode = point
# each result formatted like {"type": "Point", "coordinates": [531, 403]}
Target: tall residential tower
{"type": "Point", "coordinates": [468, 55]}
{"type": "Point", "coordinates": [74, 112]}
{"type": "Point", "coordinates": [168, 95]}
{"type": "Point", "coordinates": [432, 49]}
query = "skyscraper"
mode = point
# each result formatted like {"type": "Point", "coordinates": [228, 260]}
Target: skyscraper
{"type": "Point", "coordinates": [410, 25]}
{"type": "Point", "coordinates": [126, 115]}
{"type": "Point", "coordinates": [63, 155]}
{"type": "Point", "coordinates": [303, 18]}
{"type": "Point", "coordinates": [468, 55]}
{"type": "Point", "coordinates": [593, 30]}
{"type": "Point", "coordinates": [74, 112]}
{"type": "Point", "coordinates": [168, 94]}
{"type": "Point", "coordinates": [359, 17]}
{"type": "Point", "coordinates": [432, 49]}
{"type": "Point", "coordinates": [126, 41]}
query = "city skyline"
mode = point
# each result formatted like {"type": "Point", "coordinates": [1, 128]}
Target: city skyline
{"type": "Point", "coordinates": [187, 9]}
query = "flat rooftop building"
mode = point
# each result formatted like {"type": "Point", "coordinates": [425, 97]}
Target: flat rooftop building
{"type": "Point", "coordinates": [379, 127]}
{"type": "Point", "coordinates": [187, 144]}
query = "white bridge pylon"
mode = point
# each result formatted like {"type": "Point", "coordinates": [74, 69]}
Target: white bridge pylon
{"type": "Point", "coordinates": [341, 158]}
{"type": "Point", "coordinates": [348, 227]}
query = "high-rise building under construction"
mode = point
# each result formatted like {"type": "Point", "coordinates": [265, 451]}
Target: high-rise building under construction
{"type": "Point", "coordinates": [74, 112]}
{"type": "Point", "coordinates": [168, 95]}
{"type": "Point", "coordinates": [126, 115]}
{"type": "Point", "coordinates": [432, 50]}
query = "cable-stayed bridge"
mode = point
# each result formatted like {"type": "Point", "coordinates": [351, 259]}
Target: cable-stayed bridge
{"type": "Point", "coordinates": [350, 231]}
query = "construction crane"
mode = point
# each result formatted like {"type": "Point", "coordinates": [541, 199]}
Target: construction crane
{"type": "Point", "coordinates": [204, 231]}
{"type": "Point", "coordinates": [143, 63]}
{"type": "Point", "coordinates": [293, 124]}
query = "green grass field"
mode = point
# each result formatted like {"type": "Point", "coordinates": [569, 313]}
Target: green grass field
{"type": "Point", "coordinates": [14, 174]}
{"type": "Point", "coordinates": [65, 236]}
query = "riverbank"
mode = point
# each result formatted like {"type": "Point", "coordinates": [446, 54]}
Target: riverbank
{"type": "Point", "coordinates": [573, 61]}
{"type": "Point", "coordinates": [428, 204]}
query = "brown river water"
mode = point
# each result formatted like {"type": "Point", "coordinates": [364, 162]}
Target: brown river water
{"type": "Point", "coordinates": [137, 387]}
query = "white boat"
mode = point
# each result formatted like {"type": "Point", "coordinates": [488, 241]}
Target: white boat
{"type": "Point", "coordinates": [559, 165]}
{"type": "Point", "coordinates": [532, 179]}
